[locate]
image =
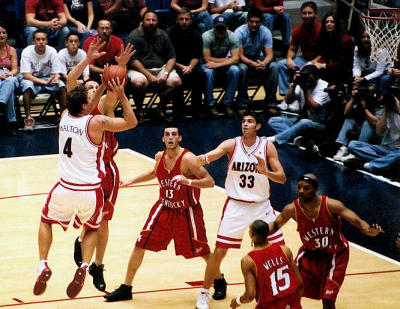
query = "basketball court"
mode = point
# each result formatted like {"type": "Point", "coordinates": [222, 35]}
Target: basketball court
{"type": "Point", "coordinates": [164, 280]}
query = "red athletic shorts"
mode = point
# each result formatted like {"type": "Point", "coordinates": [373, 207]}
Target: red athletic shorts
{"type": "Point", "coordinates": [110, 185]}
{"type": "Point", "coordinates": [322, 273]}
{"type": "Point", "coordinates": [292, 302]}
{"type": "Point", "coordinates": [185, 227]}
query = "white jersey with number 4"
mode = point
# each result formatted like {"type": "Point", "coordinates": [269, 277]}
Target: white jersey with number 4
{"type": "Point", "coordinates": [81, 160]}
{"type": "Point", "coordinates": [243, 182]}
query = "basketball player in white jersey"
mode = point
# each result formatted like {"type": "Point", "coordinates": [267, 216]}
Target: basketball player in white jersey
{"type": "Point", "coordinates": [81, 170]}
{"type": "Point", "coordinates": [253, 161]}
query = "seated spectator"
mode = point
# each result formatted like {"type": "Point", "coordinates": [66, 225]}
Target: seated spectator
{"type": "Point", "coordinates": [202, 20]}
{"type": "Point", "coordinates": [187, 61]}
{"type": "Point", "coordinates": [48, 16]}
{"type": "Point", "coordinates": [256, 55]}
{"type": "Point", "coordinates": [335, 59]}
{"type": "Point", "coordinates": [40, 68]}
{"type": "Point", "coordinates": [380, 158]}
{"type": "Point", "coordinates": [362, 113]}
{"type": "Point", "coordinates": [112, 48]}
{"type": "Point", "coordinates": [152, 64]}
{"type": "Point", "coordinates": [308, 89]}
{"type": "Point", "coordinates": [365, 70]}
{"type": "Point", "coordinates": [70, 56]}
{"type": "Point", "coordinates": [304, 36]}
{"type": "Point", "coordinates": [80, 18]}
{"type": "Point", "coordinates": [8, 80]}
{"type": "Point", "coordinates": [232, 11]}
{"type": "Point", "coordinates": [275, 17]}
{"type": "Point", "coordinates": [125, 14]}
{"type": "Point", "coordinates": [221, 56]}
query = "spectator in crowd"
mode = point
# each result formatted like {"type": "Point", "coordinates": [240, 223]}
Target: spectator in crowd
{"type": "Point", "coordinates": [305, 36]}
{"type": "Point", "coordinates": [275, 17]}
{"type": "Point", "coordinates": [48, 16]}
{"type": "Point", "coordinates": [335, 59]}
{"type": "Point", "coordinates": [152, 64]}
{"type": "Point", "coordinates": [70, 56]}
{"type": "Point", "coordinates": [187, 61]}
{"type": "Point", "coordinates": [221, 56]}
{"type": "Point", "coordinates": [365, 70]}
{"type": "Point", "coordinates": [362, 112]}
{"type": "Point", "coordinates": [232, 11]}
{"type": "Point", "coordinates": [308, 89]}
{"type": "Point", "coordinates": [379, 158]}
{"type": "Point", "coordinates": [8, 79]}
{"type": "Point", "coordinates": [256, 55]}
{"type": "Point", "coordinates": [40, 68]}
{"type": "Point", "coordinates": [112, 48]}
{"type": "Point", "coordinates": [125, 14]}
{"type": "Point", "coordinates": [202, 20]}
{"type": "Point", "coordinates": [80, 16]}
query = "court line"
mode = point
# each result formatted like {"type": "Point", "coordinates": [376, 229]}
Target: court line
{"type": "Point", "coordinates": [166, 290]}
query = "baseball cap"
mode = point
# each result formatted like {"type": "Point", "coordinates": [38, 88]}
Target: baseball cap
{"type": "Point", "coordinates": [220, 21]}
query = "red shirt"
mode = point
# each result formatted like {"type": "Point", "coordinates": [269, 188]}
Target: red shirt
{"type": "Point", "coordinates": [324, 232]}
{"type": "Point", "coordinates": [266, 6]}
{"type": "Point", "coordinates": [307, 39]}
{"type": "Point", "coordinates": [110, 142]}
{"type": "Point", "coordinates": [174, 194]}
{"type": "Point", "coordinates": [275, 278]}
{"type": "Point", "coordinates": [190, 4]}
{"type": "Point", "coordinates": [112, 49]}
{"type": "Point", "coordinates": [44, 10]}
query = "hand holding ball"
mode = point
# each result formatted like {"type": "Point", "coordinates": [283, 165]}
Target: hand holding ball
{"type": "Point", "coordinates": [112, 72]}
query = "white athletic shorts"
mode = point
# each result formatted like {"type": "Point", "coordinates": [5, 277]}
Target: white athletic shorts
{"type": "Point", "coordinates": [66, 199]}
{"type": "Point", "coordinates": [236, 218]}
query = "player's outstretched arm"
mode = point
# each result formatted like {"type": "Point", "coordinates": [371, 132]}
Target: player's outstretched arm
{"type": "Point", "coordinates": [293, 266]}
{"type": "Point", "coordinates": [248, 271]}
{"type": "Point", "coordinates": [337, 207]}
{"type": "Point", "coordinates": [191, 167]}
{"type": "Point", "coordinates": [287, 213]}
{"type": "Point", "coordinates": [225, 148]}
{"type": "Point", "coordinates": [146, 176]}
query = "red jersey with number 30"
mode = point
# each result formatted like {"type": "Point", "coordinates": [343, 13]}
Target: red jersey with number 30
{"type": "Point", "coordinates": [174, 194]}
{"type": "Point", "coordinates": [275, 278]}
{"type": "Point", "coordinates": [324, 232]}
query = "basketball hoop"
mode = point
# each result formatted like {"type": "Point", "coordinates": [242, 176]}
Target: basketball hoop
{"type": "Point", "coordinates": [383, 27]}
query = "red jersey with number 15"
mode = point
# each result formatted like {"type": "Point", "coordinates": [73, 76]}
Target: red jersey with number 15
{"type": "Point", "coordinates": [324, 232]}
{"type": "Point", "coordinates": [275, 278]}
{"type": "Point", "coordinates": [174, 194]}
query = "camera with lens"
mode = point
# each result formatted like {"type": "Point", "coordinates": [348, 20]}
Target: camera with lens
{"type": "Point", "coordinates": [303, 79]}
{"type": "Point", "coordinates": [334, 89]}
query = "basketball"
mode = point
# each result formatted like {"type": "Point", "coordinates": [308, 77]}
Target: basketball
{"type": "Point", "coordinates": [114, 71]}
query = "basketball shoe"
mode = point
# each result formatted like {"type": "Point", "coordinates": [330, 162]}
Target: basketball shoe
{"type": "Point", "coordinates": [219, 288]}
{"type": "Point", "coordinates": [41, 281]}
{"type": "Point", "coordinates": [76, 284]}
{"type": "Point", "coordinates": [96, 271]}
{"type": "Point", "coordinates": [203, 300]}
{"type": "Point", "coordinates": [124, 292]}
{"type": "Point", "coordinates": [77, 252]}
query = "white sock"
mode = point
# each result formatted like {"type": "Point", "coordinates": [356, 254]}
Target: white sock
{"type": "Point", "coordinates": [205, 291]}
{"type": "Point", "coordinates": [42, 265]}
{"type": "Point", "coordinates": [79, 239]}
{"type": "Point", "coordinates": [84, 265]}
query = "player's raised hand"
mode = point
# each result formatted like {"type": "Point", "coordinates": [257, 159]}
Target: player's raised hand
{"type": "Point", "coordinates": [126, 54]}
{"type": "Point", "coordinates": [261, 166]}
{"type": "Point", "coordinates": [94, 50]}
{"type": "Point", "coordinates": [374, 230]}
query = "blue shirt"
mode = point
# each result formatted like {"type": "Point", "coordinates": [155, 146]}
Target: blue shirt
{"type": "Point", "coordinates": [254, 44]}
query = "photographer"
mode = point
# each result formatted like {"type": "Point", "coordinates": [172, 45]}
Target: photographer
{"type": "Point", "coordinates": [308, 89]}
{"type": "Point", "coordinates": [361, 113]}
{"type": "Point", "coordinates": [380, 158]}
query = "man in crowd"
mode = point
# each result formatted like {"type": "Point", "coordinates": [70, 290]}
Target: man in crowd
{"type": "Point", "coordinates": [231, 10]}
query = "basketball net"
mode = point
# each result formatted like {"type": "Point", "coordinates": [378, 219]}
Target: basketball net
{"type": "Point", "coordinates": [383, 27]}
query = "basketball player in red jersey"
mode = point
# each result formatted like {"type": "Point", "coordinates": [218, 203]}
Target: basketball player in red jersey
{"type": "Point", "coordinates": [253, 161]}
{"type": "Point", "coordinates": [270, 273]}
{"type": "Point", "coordinates": [176, 215]}
{"type": "Point", "coordinates": [101, 105]}
{"type": "Point", "coordinates": [324, 255]}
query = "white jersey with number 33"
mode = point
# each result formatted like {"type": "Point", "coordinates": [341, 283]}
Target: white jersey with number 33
{"type": "Point", "coordinates": [81, 161]}
{"type": "Point", "coordinates": [243, 182]}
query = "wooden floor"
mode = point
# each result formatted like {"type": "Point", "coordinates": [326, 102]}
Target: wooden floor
{"type": "Point", "coordinates": [164, 280]}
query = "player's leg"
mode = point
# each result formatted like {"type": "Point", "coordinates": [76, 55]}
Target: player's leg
{"type": "Point", "coordinates": [44, 272]}
{"type": "Point", "coordinates": [328, 304]}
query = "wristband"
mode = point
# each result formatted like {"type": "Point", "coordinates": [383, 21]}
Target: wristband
{"type": "Point", "coordinates": [238, 300]}
{"type": "Point", "coordinates": [190, 182]}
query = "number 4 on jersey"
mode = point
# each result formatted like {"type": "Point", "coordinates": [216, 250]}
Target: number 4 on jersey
{"type": "Point", "coordinates": [68, 147]}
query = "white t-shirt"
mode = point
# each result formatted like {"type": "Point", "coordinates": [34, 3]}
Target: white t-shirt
{"type": "Point", "coordinates": [220, 3]}
{"type": "Point", "coordinates": [40, 65]}
{"type": "Point", "coordinates": [68, 61]}
{"type": "Point", "coordinates": [320, 97]}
